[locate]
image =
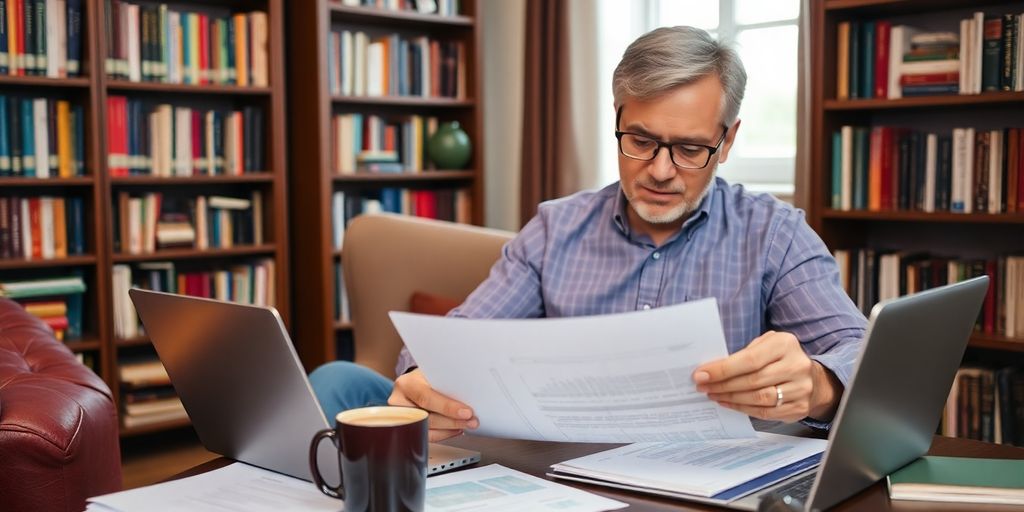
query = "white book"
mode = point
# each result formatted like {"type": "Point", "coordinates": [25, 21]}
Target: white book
{"type": "Point", "coordinates": [45, 60]}
{"type": "Point", "coordinates": [425, 66]}
{"type": "Point", "coordinates": [201, 219]}
{"type": "Point", "coordinates": [968, 174]}
{"type": "Point", "coordinates": [334, 63]}
{"type": "Point", "coordinates": [46, 227]}
{"type": "Point", "coordinates": [995, 172]}
{"type": "Point", "coordinates": [229, 203]}
{"type": "Point", "coordinates": [930, 67]}
{"type": "Point", "coordinates": [134, 56]}
{"type": "Point", "coordinates": [359, 85]}
{"type": "Point", "coordinates": [173, 45]}
{"type": "Point", "coordinates": [977, 43]}
{"type": "Point", "coordinates": [956, 196]}
{"type": "Point", "coordinates": [259, 286]}
{"type": "Point", "coordinates": [347, 66]}
{"type": "Point", "coordinates": [135, 225]}
{"type": "Point", "coordinates": [258, 48]}
{"type": "Point", "coordinates": [846, 169]}
{"type": "Point", "coordinates": [152, 214]}
{"type": "Point", "coordinates": [40, 120]}
{"type": "Point", "coordinates": [375, 66]}
{"type": "Point", "coordinates": [930, 165]}
{"type": "Point", "coordinates": [899, 44]}
{"type": "Point", "coordinates": [965, 56]}
{"type": "Point", "coordinates": [183, 141]}
{"type": "Point", "coordinates": [210, 162]}
{"type": "Point", "coordinates": [155, 143]}
{"type": "Point", "coordinates": [26, 230]}
{"type": "Point", "coordinates": [338, 219]}
{"type": "Point", "coordinates": [166, 133]}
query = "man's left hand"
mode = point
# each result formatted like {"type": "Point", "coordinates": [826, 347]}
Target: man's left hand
{"type": "Point", "coordinates": [750, 381]}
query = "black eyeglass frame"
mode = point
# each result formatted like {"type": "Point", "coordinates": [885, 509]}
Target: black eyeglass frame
{"type": "Point", "coordinates": [662, 144]}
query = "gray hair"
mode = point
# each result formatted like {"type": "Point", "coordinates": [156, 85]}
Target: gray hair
{"type": "Point", "coordinates": [668, 57]}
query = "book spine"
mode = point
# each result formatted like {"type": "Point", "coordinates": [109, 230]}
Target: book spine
{"type": "Point", "coordinates": [1008, 57]}
{"type": "Point", "coordinates": [991, 61]}
{"type": "Point", "coordinates": [5, 147]}
{"type": "Point", "coordinates": [74, 37]}
{"type": "Point", "coordinates": [5, 59]}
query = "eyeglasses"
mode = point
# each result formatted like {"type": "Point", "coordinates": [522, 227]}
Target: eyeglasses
{"type": "Point", "coordinates": [683, 155]}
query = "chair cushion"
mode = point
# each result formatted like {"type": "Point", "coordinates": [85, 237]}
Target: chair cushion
{"type": "Point", "coordinates": [429, 304]}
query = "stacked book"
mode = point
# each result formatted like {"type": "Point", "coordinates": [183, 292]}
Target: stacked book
{"type": "Point", "coordinates": [371, 143]}
{"type": "Point", "coordinates": [251, 283]}
{"type": "Point", "coordinates": [986, 404]}
{"type": "Point", "coordinates": [150, 222]}
{"type": "Point", "coordinates": [147, 396]}
{"type": "Point", "coordinates": [41, 138]}
{"type": "Point", "coordinates": [969, 170]}
{"type": "Point", "coordinates": [443, 204]}
{"type": "Point", "coordinates": [56, 301]}
{"type": "Point", "coordinates": [183, 141]}
{"type": "Point", "coordinates": [870, 276]}
{"type": "Point", "coordinates": [41, 227]}
{"type": "Point", "coordinates": [360, 64]}
{"type": "Point", "coordinates": [41, 37]}
{"type": "Point", "coordinates": [441, 7]}
{"type": "Point", "coordinates": [877, 59]}
{"type": "Point", "coordinates": [153, 43]}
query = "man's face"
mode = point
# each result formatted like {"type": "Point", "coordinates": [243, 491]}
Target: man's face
{"type": "Point", "coordinates": [659, 192]}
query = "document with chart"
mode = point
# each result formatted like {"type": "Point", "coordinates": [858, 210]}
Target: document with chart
{"type": "Point", "coordinates": [620, 378]}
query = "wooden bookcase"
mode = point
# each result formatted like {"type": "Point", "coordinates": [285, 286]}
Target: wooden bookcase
{"type": "Point", "coordinates": [318, 336]}
{"type": "Point", "coordinates": [976, 235]}
{"type": "Point", "coordinates": [101, 189]}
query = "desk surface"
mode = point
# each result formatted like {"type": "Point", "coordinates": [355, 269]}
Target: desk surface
{"type": "Point", "coordinates": [535, 457]}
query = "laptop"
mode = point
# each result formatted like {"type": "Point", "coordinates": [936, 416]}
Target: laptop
{"type": "Point", "coordinates": [241, 382]}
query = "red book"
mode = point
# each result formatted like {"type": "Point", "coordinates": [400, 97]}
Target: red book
{"type": "Point", "coordinates": [119, 134]}
{"type": "Point", "coordinates": [204, 49]}
{"type": "Point", "coordinates": [882, 29]}
{"type": "Point", "coordinates": [426, 204]}
{"type": "Point", "coordinates": [197, 143]}
{"type": "Point", "coordinates": [19, 13]}
{"type": "Point", "coordinates": [435, 69]}
{"type": "Point", "coordinates": [389, 138]}
{"type": "Point", "coordinates": [57, 323]}
{"type": "Point", "coordinates": [240, 148]}
{"type": "Point", "coordinates": [205, 288]}
{"type": "Point", "coordinates": [36, 223]}
{"type": "Point", "coordinates": [989, 308]}
{"type": "Point", "coordinates": [930, 79]}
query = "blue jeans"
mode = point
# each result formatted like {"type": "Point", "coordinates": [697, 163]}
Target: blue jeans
{"type": "Point", "coordinates": [341, 385]}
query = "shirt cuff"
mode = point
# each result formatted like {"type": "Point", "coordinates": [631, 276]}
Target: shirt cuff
{"type": "Point", "coordinates": [405, 363]}
{"type": "Point", "coordinates": [837, 365]}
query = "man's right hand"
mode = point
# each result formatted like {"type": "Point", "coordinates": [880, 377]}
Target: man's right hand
{"type": "Point", "coordinates": [448, 417]}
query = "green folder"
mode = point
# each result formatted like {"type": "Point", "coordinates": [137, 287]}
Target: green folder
{"type": "Point", "coordinates": [960, 479]}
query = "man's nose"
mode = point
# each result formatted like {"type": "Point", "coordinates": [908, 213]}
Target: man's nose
{"type": "Point", "coordinates": [662, 168]}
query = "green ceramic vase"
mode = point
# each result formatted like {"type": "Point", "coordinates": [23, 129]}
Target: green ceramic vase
{"type": "Point", "coordinates": [449, 147]}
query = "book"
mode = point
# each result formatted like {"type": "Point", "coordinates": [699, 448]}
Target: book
{"type": "Point", "coordinates": [959, 480]}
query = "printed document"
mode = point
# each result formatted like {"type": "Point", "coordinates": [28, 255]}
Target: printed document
{"type": "Point", "coordinates": [496, 488]}
{"type": "Point", "coordinates": [707, 469]}
{"type": "Point", "coordinates": [620, 378]}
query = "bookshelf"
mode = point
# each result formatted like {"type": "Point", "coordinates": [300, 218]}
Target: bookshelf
{"type": "Point", "coordinates": [320, 335]}
{"type": "Point", "coordinates": [940, 233]}
{"type": "Point", "coordinates": [100, 190]}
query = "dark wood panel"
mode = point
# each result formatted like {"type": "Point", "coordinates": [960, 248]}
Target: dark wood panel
{"type": "Point", "coordinates": [77, 181]}
{"type": "Point", "coordinates": [42, 81]}
{"type": "Point", "coordinates": [126, 86]}
{"type": "Point", "coordinates": [402, 101]}
{"type": "Point", "coordinates": [369, 15]}
{"type": "Point", "coordinates": [256, 177]}
{"type": "Point", "coordinates": [178, 254]}
{"type": "Point", "coordinates": [952, 100]}
{"type": "Point", "coordinates": [70, 261]}
{"type": "Point", "coordinates": [422, 176]}
{"type": "Point", "coordinates": [967, 218]}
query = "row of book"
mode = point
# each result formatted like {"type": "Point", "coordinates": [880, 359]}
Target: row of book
{"type": "Point", "coordinates": [876, 59]}
{"type": "Point", "coordinates": [444, 204]}
{"type": "Point", "coordinates": [41, 227]}
{"type": "Point", "coordinates": [153, 43]}
{"type": "Point", "coordinates": [251, 283]}
{"type": "Point", "coordinates": [342, 311]}
{"type": "Point", "coordinates": [183, 141]}
{"type": "Point", "coordinates": [147, 396]}
{"type": "Point", "coordinates": [153, 221]}
{"type": "Point", "coordinates": [57, 301]}
{"type": "Point", "coordinates": [441, 7]}
{"type": "Point", "coordinates": [870, 276]}
{"type": "Point", "coordinates": [970, 170]}
{"type": "Point", "coordinates": [41, 138]}
{"type": "Point", "coordinates": [370, 143]}
{"type": "Point", "coordinates": [360, 64]}
{"type": "Point", "coordinates": [41, 37]}
{"type": "Point", "coordinates": [986, 404]}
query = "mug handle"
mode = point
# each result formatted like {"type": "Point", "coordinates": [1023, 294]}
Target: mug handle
{"type": "Point", "coordinates": [318, 479]}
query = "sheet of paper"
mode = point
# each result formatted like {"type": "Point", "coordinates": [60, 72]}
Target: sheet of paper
{"type": "Point", "coordinates": [613, 378]}
{"type": "Point", "coordinates": [704, 468]}
{"type": "Point", "coordinates": [496, 488]}
{"type": "Point", "coordinates": [238, 487]}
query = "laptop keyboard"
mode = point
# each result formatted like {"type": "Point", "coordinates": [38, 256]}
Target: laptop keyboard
{"type": "Point", "coordinates": [799, 488]}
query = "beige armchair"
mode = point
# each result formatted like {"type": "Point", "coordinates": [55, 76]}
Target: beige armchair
{"type": "Point", "coordinates": [386, 258]}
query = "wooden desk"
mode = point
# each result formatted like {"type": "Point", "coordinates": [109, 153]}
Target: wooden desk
{"type": "Point", "coordinates": [535, 457]}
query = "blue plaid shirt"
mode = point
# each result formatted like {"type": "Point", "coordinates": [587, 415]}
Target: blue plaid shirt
{"type": "Point", "coordinates": [754, 253]}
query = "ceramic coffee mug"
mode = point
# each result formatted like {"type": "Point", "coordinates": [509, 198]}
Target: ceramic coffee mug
{"type": "Point", "coordinates": [382, 455]}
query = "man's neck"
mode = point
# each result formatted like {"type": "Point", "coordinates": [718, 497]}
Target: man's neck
{"type": "Point", "coordinates": [659, 232]}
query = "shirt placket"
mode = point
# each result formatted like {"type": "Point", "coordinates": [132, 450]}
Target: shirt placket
{"type": "Point", "coordinates": [650, 279]}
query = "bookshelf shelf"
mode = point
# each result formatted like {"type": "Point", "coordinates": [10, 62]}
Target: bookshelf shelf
{"type": "Point", "coordinates": [78, 181]}
{"type": "Point", "coordinates": [127, 86]}
{"type": "Point", "coordinates": [179, 254]}
{"type": "Point", "coordinates": [370, 15]}
{"type": "Point", "coordinates": [422, 176]}
{"type": "Point", "coordinates": [155, 427]}
{"type": "Point", "coordinates": [403, 101]}
{"type": "Point", "coordinates": [83, 345]}
{"type": "Point", "coordinates": [967, 100]}
{"type": "Point", "coordinates": [137, 341]}
{"type": "Point", "coordinates": [907, 216]}
{"type": "Point", "coordinates": [261, 177]}
{"type": "Point", "coordinates": [41, 81]}
{"type": "Point", "coordinates": [899, 7]}
{"type": "Point", "coordinates": [70, 261]}
{"type": "Point", "coordinates": [342, 326]}
{"type": "Point", "coordinates": [992, 341]}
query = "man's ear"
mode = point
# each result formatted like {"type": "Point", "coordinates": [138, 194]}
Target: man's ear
{"type": "Point", "coordinates": [727, 143]}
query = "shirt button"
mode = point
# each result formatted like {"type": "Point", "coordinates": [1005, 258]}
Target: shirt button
{"type": "Point", "coordinates": [656, 255]}
{"type": "Point", "coordinates": [647, 306]}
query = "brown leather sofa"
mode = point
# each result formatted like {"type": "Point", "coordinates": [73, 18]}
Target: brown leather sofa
{"type": "Point", "coordinates": [58, 424]}
{"type": "Point", "coordinates": [389, 258]}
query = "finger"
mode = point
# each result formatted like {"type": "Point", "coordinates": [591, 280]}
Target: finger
{"type": "Point", "coordinates": [417, 390]}
{"type": "Point", "coordinates": [440, 435]}
{"type": "Point", "coordinates": [788, 412]}
{"type": "Point", "coordinates": [438, 421]}
{"type": "Point", "coordinates": [765, 396]}
{"type": "Point", "coordinates": [753, 357]}
{"type": "Point", "coordinates": [749, 382]}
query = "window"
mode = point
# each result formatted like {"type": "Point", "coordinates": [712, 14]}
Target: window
{"type": "Point", "coordinates": [764, 33]}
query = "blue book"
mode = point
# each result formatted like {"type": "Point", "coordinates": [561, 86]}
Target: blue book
{"type": "Point", "coordinates": [5, 55]}
{"type": "Point", "coordinates": [78, 138]}
{"type": "Point", "coordinates": [860, 168]}
{"type": "Point", "coordinates": [837, 170]}
{"type": "Point", "coordinates": [73, 18]}
{"type": "Point", "coordinates": [229, 34]}
{"type": "Point", "coordinates": [867, 60]}
{"type": "Point", "coordinates": [28, 138]}
{"type": "Point", "coordinates": [214, 217]}
{"type": "Point", "coordinates": [14, 128]}
{"type": "Point", "coordinates": [391, 200]}
{"type": "Point", "coordinates": [5, 141]}
{"type": "Point", "coordinates": [75, 221]}
{"type": "Point", "coordinates": [403, 68]}
{"type": "Point", "coordinates": [186, 61]}
{"type": "Point", "coordinates": [357, 132]}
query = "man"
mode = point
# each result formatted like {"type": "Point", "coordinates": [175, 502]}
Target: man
{"type": "Point", "coordinates": [670, 231]}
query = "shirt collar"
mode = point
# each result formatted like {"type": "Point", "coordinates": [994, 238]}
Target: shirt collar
{"type": "Point", "coordinates": [697, 219]}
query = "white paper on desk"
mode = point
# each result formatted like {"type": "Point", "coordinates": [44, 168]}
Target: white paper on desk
{"type": "Point", "coordinates": [704, 468]}
{"type": "Point", "coordinates": [238, 487]}
{"type": "Point", "coordinates": [612, 379]}
{"type": "Point", "coordinates": [496, 488]}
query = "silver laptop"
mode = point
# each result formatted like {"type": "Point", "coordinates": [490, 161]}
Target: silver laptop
{"type": "Point", "coordinates": [887, 417]}
{"type": "Point", "coordinates": [241, 382]}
